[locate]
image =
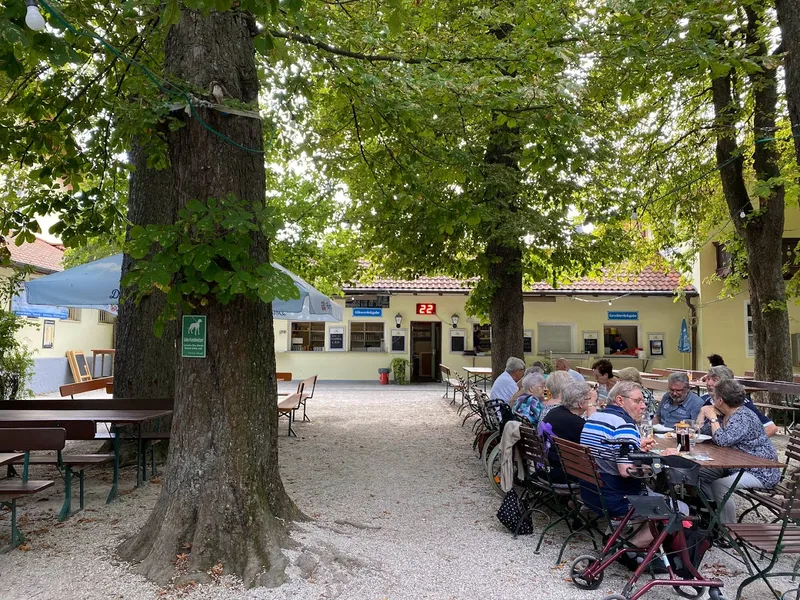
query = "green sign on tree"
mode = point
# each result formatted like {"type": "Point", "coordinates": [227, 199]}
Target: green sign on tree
{"type": "Point", "coordinates": [193, 338]}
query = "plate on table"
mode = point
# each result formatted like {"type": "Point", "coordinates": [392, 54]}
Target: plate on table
{"type": "Point", "coordinates": [661, 429]}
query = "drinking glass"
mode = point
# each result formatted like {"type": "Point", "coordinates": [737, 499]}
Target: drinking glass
{"type": "Point", "coordinates": [646, 430]}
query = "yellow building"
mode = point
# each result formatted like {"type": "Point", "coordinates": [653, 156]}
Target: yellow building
{"type": "Point", "coordinates": [724, 325]}
{"type": "Point", "coordinates": [425, 322]}
{"type": "Point", "coordinates": [54, 330]}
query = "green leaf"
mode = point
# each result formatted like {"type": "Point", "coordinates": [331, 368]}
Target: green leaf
{"type": "Point", "coordinates": [172, 13]}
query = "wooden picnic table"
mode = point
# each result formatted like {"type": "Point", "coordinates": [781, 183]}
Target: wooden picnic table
{"type": "Point", "coordinates": [642, 374]}
{"type": "Point", "coordinates": [721, 458]}
{"type": "Point", "coordinates": [114, 416]}
{"type": "Point", "coordinates": [477, 374]}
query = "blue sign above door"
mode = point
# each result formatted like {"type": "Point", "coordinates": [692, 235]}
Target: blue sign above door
{"type": "Point", "coordinates": [627, 315]}
{"type": "Point", "coordinates": [367, 312]}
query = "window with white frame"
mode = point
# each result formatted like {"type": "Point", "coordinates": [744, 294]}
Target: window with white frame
{"type": "Point", "coordinates": [749, 343]}
{"type": "Point", "coordinates": [555, 337]}
{"type": "Point", "coordinates": [74, 314]}
{"type": "Point", "coordinates": [106, 317]}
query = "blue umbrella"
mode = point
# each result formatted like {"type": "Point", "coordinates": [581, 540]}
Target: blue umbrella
{"type": "Point", "coordinates": [97, 285]}
{"type": "Point", "coordinates": [684, 345]}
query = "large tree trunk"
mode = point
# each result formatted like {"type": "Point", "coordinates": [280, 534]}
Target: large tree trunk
{"type": "Point", "coordinates": [503, 252]}
{"type": "Point", "coordinates": [223, 500]}
{"type": "Point", "coordinates": [789, 18]}
{"type": "Point", "coordinates": [761, 231]}
{"type": "Point", "coordinates": [144, 364]}
{"type": "Point", "coordinates": [506, 310]}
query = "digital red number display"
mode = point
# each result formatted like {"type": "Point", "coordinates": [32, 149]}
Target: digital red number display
{"type": "Point", "coordinates": [426, 309]}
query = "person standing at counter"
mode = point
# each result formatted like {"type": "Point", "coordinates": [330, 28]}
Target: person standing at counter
{"type": "Point", "coordinates": [618, 344]}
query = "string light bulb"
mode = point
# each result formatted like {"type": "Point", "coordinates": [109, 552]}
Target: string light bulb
{"type": "Point", "coordinates": [609, 302]}
{"type": "Point", "coordinates": [33, 18]}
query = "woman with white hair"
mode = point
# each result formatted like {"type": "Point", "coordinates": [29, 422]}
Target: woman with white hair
{"type": "Point", "coordinates": [530, 405]}
{"type": "Point", "coordinates": [566, 421]}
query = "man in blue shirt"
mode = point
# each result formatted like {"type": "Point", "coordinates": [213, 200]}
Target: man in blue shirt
{"type": "Point", "coordinates": [618, 344]}
{"type": "Point", "coordinates": [562, 364]}
{"type": "Point", "coordinates": [679, 404]}
{"type": "Point", "coordinates": [719, 373]}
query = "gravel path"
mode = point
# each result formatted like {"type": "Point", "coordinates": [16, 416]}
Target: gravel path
{"type": "Point", "coordinates": [401, 510]}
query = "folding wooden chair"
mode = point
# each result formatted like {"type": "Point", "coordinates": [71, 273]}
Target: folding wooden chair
{"type": "Point", "coordinates": [770, 541]}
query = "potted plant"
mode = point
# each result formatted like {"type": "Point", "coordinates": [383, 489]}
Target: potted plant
{"type": "Point", "coordinates": [398, 366]}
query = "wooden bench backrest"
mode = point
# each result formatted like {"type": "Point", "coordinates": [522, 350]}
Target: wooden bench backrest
{"type": "Point", "coordinates": [532, 449]}
{"type": "Point", "coordinates": [788, 389]}
{"type": "Point", "coordinates": [662, 372]}
{"type": "Point", "coordinates": [655, 384]}
{"type": "Point", "coordinates": [75, 430]}
{"type": "Point", "coordinates": [577, 461]}
{"type": "Point", "coordinates": [84, 386]}
{"type": "Point", "coordinates": [445, 371]}
{"type": "Point", "coordinates": [283, 376]}
{"type": "Point", "coordinates": [291, 402]}
{"type": "Point", "coordinates": [585, 371]}
{"type": "Point", "coordinates": [91, 404]}
{"type": "Point", "coordinates": [22, 439]}
{"type": "Point", "coordinates": [309, 383]}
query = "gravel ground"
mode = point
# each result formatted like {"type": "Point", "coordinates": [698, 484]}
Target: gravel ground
{"type": "Point", "coordinates": [401, 510]}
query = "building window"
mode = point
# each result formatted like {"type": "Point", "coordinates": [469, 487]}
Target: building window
{"type": "Point", "coordinates": [308, 337]}
{"type": "Point", "coordinates": [106, 317]}
{"type": "Point", "coordinates": [74, 314]}
{"type": "Point", "coordinates": [481, 338]}
{"type": "Point", "coordinates": [724, 260]}
{"type": "Point", "coordinates": [366, 337]}
{"type": "Point", "coordinates": [628, 333]}
{"type": "Point", "coordinates": [555, 337]}
{"type": "Point", "coordinates": [748, 334]}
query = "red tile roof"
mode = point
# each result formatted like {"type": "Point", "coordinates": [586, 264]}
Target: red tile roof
{"type": "Point", "coordinates": [649, 280]}
{"type": "Point", "coordinates": [41, 255]}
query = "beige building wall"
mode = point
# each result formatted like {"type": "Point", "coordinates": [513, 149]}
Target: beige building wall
{"type": "Point", "coordinates": [656, 315]}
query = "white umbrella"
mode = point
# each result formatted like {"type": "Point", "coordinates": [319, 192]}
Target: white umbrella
{"type": "Point", "coordinates": [97, 285]}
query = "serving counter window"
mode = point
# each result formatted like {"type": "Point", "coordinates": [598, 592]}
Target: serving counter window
{"type": "Point", "coordinates": [308, 337]}
{"type": "Point", "coordinates": [367, 337]}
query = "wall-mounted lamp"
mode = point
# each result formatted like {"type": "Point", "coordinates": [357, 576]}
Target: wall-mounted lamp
{"type": "Point", "coordinates": [33, 18]}
{"type": "Point", "coordinates": [398, 319]}
{"type": "Point", "coordinates": [454, 320]}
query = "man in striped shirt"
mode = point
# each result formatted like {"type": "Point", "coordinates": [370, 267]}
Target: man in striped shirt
{"type": "Point", "coordinates": [617, 422]}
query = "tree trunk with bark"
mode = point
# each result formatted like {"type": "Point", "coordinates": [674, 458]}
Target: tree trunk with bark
{"type": "Point", "coordinates": [789, 18]}
{"type": "Point", "coordinates": [144, 364]}
{"type": "Point", "coordinates": [223, 501]}
{"type": "Point", "coordinates": [503, 252]}
{"type": "Point", "coordinates": [506, 310]}
{"type": "Point", "coordinates": [761, 229]}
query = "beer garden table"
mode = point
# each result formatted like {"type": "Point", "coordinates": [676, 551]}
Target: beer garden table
{"type": "Point", "coordinates": [721, 457]}
{"type": "Point", "coordinates": [117, 417]}
{"type": "Point", "coordinates": [477, 374]}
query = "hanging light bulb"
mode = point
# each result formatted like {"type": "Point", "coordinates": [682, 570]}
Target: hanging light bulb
{"type": "Point", "coordinates": [33, 18]}
{"type": "Point", "coordinates": [609, 302]}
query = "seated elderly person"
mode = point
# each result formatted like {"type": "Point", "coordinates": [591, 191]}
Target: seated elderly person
{"type": "Point", "coordinates": [717, 374]}
{"type": "Point", "coordinates": [555, 383]}
{"type": "Point", "coordinates": [679, 404]}
{"type": "Point", "coordinates": [604, 376]}
{"type": "Point", "coordinates": [738, 428]}
{"type": "Point", "coordinates": [618, 422]}
{"type": "Point", "coordinates": [632, 374]}
{"type": "Point", "coordinates": [562, 364]}
{"type": "Point", "coordinates": [566, 421]}
{"type": "Point", "coordinates": [505, 386]}
{"type": "Point", "coordinates": [530, 406]}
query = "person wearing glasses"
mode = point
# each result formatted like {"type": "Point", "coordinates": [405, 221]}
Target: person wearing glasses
{"type": "Point", "coordinates": [680, 404]}
{"type": "Point", "coordinates": [618, 422]}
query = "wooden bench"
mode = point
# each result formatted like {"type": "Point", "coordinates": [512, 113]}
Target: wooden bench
{"type": "Point", "coordinates": [585, 371]}
{"type": "Point", "coordinates": [25, 440]}
{"type": "Point", "coordinates": [85, 386]}
{"type": "Point", "coordinates": [283, 376]}
{"type": "Point", "coordinates": [655, 384]}
{"type": "Point", "coordinates": [451, 382]}
{"type": "Point", "coordinates": [287, 407]}
{"type": "Point", "coordinates": [308, 382]}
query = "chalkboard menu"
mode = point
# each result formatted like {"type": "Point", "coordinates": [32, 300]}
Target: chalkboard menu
{"type": "Point", "coordinates": [336, 338]}
{"type": "Point", "coordinates": [590, 346]}
{"type": "Point", "coordinates": [398, 343]}
{"type": "Point", "coordinates": [527, 341]}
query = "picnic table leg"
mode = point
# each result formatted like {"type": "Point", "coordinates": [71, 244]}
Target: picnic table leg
{"type": "Point", "coordinates": [139, 477]}
{"type": "Point", "coordinates": [115, 481]}
{"type": "Point", "coordinates": [67, 506]}
{"type": "Point", "coordinates": [716, 514]}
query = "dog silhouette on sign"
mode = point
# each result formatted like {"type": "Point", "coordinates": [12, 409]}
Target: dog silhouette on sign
{"type": "Point", "coordinates": [194, 328]}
